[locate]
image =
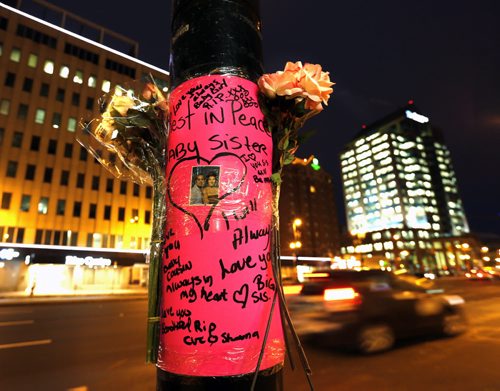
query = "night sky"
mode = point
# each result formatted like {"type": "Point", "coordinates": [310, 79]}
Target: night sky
{"type": "Point", "coordinates": [445, 55]}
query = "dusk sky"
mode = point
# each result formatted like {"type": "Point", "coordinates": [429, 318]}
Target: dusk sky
{"type": "Point", "coordinates": [445, 55]}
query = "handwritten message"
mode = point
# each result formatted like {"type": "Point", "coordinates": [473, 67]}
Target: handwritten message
{"type": "Point", "coordinates": [217, 279]}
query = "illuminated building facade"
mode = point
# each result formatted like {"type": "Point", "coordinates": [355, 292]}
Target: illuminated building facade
{"type": "Point", "coordinates": [401, 195]}
{"type": "Point", "coordinates": [308, 213]}
{"type": "Point", "coordinates": [57, 203]}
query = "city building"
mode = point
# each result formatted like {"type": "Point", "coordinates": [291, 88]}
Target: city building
{"type": "Point", "coordinates": [60, 210]}
{"type": "Point", "coordinates": [308, 215]}
{"type": "Point", "coordinates": [402, 202]}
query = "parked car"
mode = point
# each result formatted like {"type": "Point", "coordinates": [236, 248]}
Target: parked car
{"type": "Point", "coordinates": [371, 309]}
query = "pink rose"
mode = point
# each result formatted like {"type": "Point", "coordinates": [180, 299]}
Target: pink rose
{"type": "Point", "coordinates": [316, 85]}
{"type": "Point", "coordinates": [293, 67]}
{"type": "Point", "coordinates": [151, 91]}
{"type": "Point", "coordinates": [299, 82]}
{"type": "Point", "coordinates": [279, 84]}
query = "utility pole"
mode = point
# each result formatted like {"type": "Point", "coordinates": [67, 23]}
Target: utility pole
{"type": "Point", "coordinates": [219, 319]}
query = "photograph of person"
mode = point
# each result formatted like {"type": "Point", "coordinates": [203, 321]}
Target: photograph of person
{"type": "Point", "coordinates": [211, 191]}
{"type": "Point", "coordinates": [204, 185]}
{"type": "Point", "coordinates": [196, 196]}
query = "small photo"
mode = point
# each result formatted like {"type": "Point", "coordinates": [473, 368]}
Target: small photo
{"type": "Point", "coordinates": [204, 185]}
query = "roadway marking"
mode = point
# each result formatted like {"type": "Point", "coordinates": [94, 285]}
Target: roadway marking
{"type": "Point", "coordinates": [80, 388]}
{"type": "Point", "coordinates": [16, 312]}
{"type": "Point", "coordinates": [16, 323]}
{"type": "Point", "coordinates": [24, 344]}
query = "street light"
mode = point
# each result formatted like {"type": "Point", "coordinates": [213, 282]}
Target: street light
{"type": "Point", "coordinates": [296, 244]}
{"type": "Point", "coordinates": [296, 223]}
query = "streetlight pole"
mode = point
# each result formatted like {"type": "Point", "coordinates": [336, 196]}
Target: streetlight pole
{"type": "Point", "coordinates": [220, 322]}
{"type": "Point", "coordinates": [296, 244]}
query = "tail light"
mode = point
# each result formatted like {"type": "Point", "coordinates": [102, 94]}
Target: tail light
{"type": "Point", "coordinates": [341, 299]}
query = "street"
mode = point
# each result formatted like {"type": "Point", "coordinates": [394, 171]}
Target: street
{"type": "Point", "coordinates": [100, 346]}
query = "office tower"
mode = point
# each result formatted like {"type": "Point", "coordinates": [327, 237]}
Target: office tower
{"type": "Point", "coordinates": [401, 195]}
{"type": "Point", "coordinates": [58, 204]}
{"type": "Point", "coordinates": [308, 213]}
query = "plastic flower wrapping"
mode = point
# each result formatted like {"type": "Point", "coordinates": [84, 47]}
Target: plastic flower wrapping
{"type": "Point", "coordinates": [129, 140]}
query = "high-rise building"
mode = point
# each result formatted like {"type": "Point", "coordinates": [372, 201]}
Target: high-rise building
{"type": "Point", "coordinates": [401, 196]}
{"type": "Point", "coordinates": [308, 214]}
{"type": "Point", "coordinates": [58, 204]}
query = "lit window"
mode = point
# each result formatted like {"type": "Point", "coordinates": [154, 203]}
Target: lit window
{"type": "Point", "coordinates": [40, 116]}
{"type": "Point", "coordinates": [135, 216]}
{"type": "Point", "coordinates": [56, 120]}
{"type": "Point", "coordinates": [43, 205]}
{"type": "Point", "coordinates": [106, 86]}
{"type": "Point", "coordinates": [71, 124]}
{"type": "Point", "coordinates": [32, 60]}
{"type": "Point", "coordinates": [4, 106]}
{"type": "Point", "coordinates": [48, 67]}
{"type": "Point", "coordinates": [78, 78]}
{"type": "Point", "coordinates": [64, 72]}
{"type": "Point", "coordinates": [92, 81]}
{"type": "Point", "coordinates": [97, 240]}
{"type": "Point", "coordinates": [15, 55]}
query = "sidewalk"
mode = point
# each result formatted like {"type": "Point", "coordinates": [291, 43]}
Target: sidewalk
{"type": "Point", "coordinates": [21, 298]}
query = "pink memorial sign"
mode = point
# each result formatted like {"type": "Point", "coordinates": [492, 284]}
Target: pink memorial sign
{"type": "Point", "coordinates": [217, 280]}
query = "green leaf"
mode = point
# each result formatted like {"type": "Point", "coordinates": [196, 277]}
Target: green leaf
{"type": "Point", "coordinates": [283, 144]}
{"type": "Point", "coordinates": [276, 178]}
{"type": "Point", "coordinates": [288, 158]}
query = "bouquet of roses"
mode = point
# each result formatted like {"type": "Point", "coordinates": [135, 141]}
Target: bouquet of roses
{"type": "Point", "coordinates": [132, 130]}
{"type": "Point", "coordinates": [289, 98]}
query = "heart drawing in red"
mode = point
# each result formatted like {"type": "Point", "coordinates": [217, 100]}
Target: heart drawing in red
{"type": "Point", "coordinates": [233, 172]}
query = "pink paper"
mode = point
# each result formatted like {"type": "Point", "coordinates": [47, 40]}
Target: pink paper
{"type": "Point", "coordinates": [218, 284]}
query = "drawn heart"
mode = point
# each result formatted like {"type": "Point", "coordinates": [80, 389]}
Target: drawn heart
{"type": "Point", "coordinates": [233, 173]}
{"type": "Point", "coordinates": [240, 296]}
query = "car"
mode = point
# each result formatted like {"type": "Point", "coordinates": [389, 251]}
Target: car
{"type": "Point", "coordinates": [482, 274]}
{"type": "Point", "coordinates": [370, 310]}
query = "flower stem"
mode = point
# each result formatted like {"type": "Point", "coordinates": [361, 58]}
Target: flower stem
{"type": "Point", "coordinates": [155, 257]}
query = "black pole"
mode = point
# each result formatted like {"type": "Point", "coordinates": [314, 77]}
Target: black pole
{"type": "Point", "coordinates": [217, 37]}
